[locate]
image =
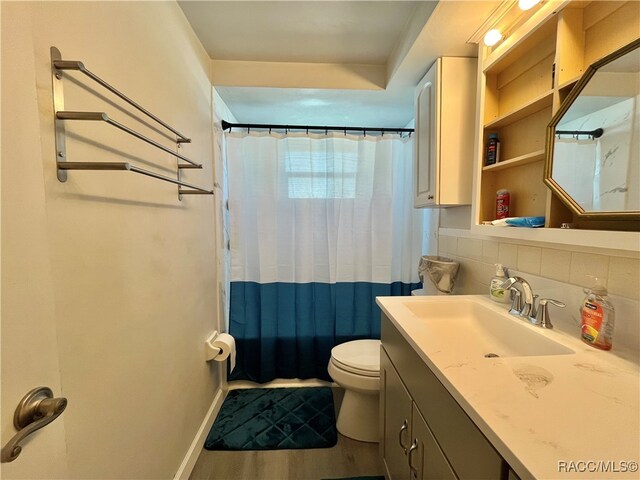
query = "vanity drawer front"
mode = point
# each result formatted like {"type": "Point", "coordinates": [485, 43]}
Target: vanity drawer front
{"type": "Point", "coordinates": [468, 451]}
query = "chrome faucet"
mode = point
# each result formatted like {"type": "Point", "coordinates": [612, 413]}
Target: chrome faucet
{"type": "Point", "coordinates": [524, 303]}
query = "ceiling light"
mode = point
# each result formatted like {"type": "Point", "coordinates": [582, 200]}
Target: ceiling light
{"type": "Point", "coordinates": [492, 37]}
{"type": "Point", "coordinates": [527, 4]}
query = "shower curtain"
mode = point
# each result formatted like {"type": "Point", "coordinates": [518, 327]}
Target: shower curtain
{"type": "Point", "coordinates": [320, 225]}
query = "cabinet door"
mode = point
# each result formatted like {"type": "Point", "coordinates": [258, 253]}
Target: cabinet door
{"type": "Point", "coordinates": [426, 460]}
{"type": "Point", "coordinates": [395, 406]}
{"type": "Point", "coordinates": [425, 147]}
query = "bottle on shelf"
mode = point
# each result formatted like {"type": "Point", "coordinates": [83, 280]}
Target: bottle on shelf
{"type": "Point", "coordinates": [503, 203]}
{"type": "Point", "coordinates": [492, 154]}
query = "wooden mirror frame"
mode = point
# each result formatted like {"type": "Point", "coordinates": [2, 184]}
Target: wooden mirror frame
{"type": "Point", "coordinates": [550, 141]}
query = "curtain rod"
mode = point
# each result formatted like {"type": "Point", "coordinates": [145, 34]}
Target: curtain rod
{"type": "Point", "coordinates": [597, 133]}
{"type": "Point", "coordinates": [226, 125]}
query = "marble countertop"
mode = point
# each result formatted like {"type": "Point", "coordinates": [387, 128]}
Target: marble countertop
{"type": "Point", "coordinates": [550, 417]}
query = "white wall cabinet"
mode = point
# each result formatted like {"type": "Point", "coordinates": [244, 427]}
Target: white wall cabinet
{"type": "Point", "coordinates": [445, 103]}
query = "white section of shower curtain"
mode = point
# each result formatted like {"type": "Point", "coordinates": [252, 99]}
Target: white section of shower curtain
{"type": "Point", "coordinates": [322, 208]}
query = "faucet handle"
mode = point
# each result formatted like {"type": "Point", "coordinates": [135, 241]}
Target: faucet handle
{"type": "Point", "coordinates": [534, 308]}
{"type": "Point", "coordinates": [516, 301]}
{"type": "Point", "coordinates": [542, 317]}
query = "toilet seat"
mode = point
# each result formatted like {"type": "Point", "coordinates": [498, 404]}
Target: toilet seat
{"type": "Point", "coordinates": [361, 357]}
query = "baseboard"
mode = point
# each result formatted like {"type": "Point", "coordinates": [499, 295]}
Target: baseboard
{"type": "Point", "coordinates": [196, 446]}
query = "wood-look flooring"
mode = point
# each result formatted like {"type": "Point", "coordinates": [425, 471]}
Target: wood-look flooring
{"type": "Point", "coordinates": [349, 458]}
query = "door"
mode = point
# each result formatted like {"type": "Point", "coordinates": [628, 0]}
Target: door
{"type": "Point", "coordinates": [395, 405]}
{"type": "Point", "coordinates": [425, 147]}
{"type": "Point", "coordinates": [426, 460]}
{"type": "Point", "coordinates": [28, 343]}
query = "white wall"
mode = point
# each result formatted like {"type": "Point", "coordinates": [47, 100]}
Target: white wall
{"type": "Point", "coordinates": [124, 273]}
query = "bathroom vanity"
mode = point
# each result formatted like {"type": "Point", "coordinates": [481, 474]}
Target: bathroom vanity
{"type": "Point", "coordinates": [471, 392]}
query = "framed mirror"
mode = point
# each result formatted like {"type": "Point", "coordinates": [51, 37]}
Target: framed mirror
{"type": "Point", "coordinates": [593, 141]}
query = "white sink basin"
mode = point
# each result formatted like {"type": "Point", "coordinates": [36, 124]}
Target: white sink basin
{"type": "Point", "coordinates": [479, 330]}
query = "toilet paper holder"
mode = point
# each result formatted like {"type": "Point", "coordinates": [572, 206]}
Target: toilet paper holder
{"type": "Point", "coordinates": [221, 347]}
{"type": "Point", "coordinates": [210, 351]}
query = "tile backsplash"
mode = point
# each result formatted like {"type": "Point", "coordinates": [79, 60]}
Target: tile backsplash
{"type": "Point", "coordinates": [559, 274]}
{"type": "Point", "coordinates": [621, 275]}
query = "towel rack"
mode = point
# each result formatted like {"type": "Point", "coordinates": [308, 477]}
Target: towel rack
{"type": "Point", "coordinates": [61, 116]}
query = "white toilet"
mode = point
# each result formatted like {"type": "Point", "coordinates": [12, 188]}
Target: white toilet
{"type": "Point", "coordinates": [355, 366]}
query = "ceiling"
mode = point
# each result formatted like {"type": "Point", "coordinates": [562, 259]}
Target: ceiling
{"type": "Point", "coordinates": [344, 63]}
{"type": "Point", "coordinates": [362, 32]}
{"type": "Point", "coordinates": [307, 106]}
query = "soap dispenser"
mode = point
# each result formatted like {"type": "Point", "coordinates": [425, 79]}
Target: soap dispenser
{"type": "Point", "coordinates": [496, 292]}
{"type": "Point", "coordinates": [598, 317]}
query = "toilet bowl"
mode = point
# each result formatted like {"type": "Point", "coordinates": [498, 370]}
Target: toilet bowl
{"type": "Point", "coordinates": [355, 366]}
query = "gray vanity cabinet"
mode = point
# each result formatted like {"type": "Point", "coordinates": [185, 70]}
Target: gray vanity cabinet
{"type": "Point", "coordinates": [395, 422]}
{"type": "Point", "coordinates": [409, 449]}
{"type": "Point", "coordinates": [428, 461]}
{"type": "Point", "coordinates": [448, 443]}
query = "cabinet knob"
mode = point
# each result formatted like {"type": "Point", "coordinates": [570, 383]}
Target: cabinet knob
{"type": "Point", "coordinates": [429, 197]}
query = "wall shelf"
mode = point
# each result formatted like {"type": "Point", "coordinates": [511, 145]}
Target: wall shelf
{"type": "Point", "coordinates": [569, 83]}
{"type": "Point", "coordinates": [516, 161]}
{"type": "Point", "coordinates": [539, 103]}
{"type": "Point", "coordinates": [625, 241]}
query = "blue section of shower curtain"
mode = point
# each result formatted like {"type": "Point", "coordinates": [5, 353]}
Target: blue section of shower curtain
{"type": "Point", "coordinates": [287, 330]}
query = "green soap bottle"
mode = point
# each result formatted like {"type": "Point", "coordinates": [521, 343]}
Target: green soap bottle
{"type": "Point", "coordinates": [496, 292]}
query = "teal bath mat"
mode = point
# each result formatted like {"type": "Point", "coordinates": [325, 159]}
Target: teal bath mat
{"type": "Point", "coordinates": [275, 419]}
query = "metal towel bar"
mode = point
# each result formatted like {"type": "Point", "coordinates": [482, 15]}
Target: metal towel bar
{"type": "Point", "coordinates": [103, 117]}
{"type": "Point", "coordinates": [79, 66]}
{"type": "Point", "coordinates": [62, 116]}
{"type": "Point", "coordinates": [132, 168]}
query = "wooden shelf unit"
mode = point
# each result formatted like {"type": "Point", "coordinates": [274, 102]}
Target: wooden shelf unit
{"type": "Point", "coordinates": [528, 108]}
{"type": "Point", "coordinates": [569, 84]}
{"type": "Point", "coordinates": [522, 84]}
{"type": "Point", "coordinates": [516, 161]}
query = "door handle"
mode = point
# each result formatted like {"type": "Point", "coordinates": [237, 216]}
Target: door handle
{"type": "Point", "coordinates": [37, 409]}
{"type": "Point", "coordinates": [413, 448]}
{"type": "Point", "coordinates": [404, 427]}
